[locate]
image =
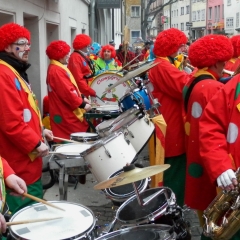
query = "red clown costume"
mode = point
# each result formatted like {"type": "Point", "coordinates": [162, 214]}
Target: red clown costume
{"type": "Point", "coordinates": [205, 53]}
{"type": "Point", "coordinates": [168, 82]}
{"type": "Point", "coordinates": [80, 65]}
{"type": "Point", "coordinates": [65, 99]}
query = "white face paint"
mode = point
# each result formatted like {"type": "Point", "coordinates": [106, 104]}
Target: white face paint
{"type": "Point", "coordinates": [67, 58]}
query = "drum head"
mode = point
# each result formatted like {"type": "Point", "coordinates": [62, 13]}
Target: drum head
{"type": "Point", "coordinates": [67, 227]}
{"type": "Point", "coordinates": [132, 211]}
{"type": "Point", "coordinates": [72, 149]}
{"type": "Point", "coordinates": [84, 136]}
{"type": "Point", "coordinates": [146, 232]}
{"type": "Point", "coordinates": [108, 108]}
{"type": "Point", "coordinates": [105, 80]}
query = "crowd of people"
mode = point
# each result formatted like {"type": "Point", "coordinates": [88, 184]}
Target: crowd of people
{"type": "Point", "coordinates": [201, 116]}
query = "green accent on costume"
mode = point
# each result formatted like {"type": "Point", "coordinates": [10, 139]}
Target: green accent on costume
{"type": "Point", "coordinates": [174, 177]}
{"type": "Point", "coordinates": [100, 64]}
{"type": "Point", "coordinates": [195, 170]}
{"type": "Point", "coordinates": [2, 187]}
{"type": "Point", "coordinates": [185, 89]}
{"type": "Point", "coordinates": [237, 92]}
{"type": "Point", "coordinates": [15, 203]}
{"type": "Point", "coordinates": [57, 119]}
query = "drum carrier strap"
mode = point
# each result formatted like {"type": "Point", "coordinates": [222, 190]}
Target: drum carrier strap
{"type": "Point", "coordinates": [192, 85]}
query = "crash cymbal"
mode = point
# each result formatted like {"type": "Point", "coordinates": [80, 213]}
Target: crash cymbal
{"type": "Point", "coordinates": [132, 74]}
{"type": "Point", "coordinates": [131, 176]}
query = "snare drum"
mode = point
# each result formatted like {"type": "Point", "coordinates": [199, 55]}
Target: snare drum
{"type": "Point", "coordinates": [77, 222]}
{"type": "Point", "coordinates": [136, 130]}
{"type": "Point", "coordinates": [120, 194]}
{"type": "Point", "coordinates": [84, 137]}
{"type": "Point", "coordinates": [104, 127]}
{"type": "Point", "coordinates": [136, 97]}
{"type": "Point", "coordinates": [108, 155]}
{"type": "Point", "coordinates": [146, 232]}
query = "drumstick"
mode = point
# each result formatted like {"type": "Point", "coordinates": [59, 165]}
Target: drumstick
{"type": "Point", "coordinates": [41, 201]}
{"type": "Point", "coordinates": [66, 140]}
{"type": "Point", "coordinates": [31, 221]}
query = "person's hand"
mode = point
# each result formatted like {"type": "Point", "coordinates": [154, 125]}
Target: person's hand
{"type": "Point", "coordinates": [42, 150]}
{"type": "Point", "coordinates": [86, 100]}
{"type": "Point", "coordinates": [48, 134]}
{"type": "Point", "coordinates": [87, 107]}
{"type": "Point", "coordinates": [227, 180]}
{"type": "Point", "coordinates": [16, 184]}
{"type": "Point", "coordinates": [3, 225]}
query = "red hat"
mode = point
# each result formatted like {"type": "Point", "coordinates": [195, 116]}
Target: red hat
{"type": "Point", "coordinates": [235, 40]}
{"type": "Point", "coordinates": [10, 33]}
{"type": "Point", "coordinates": [81, 41]}
{"type": "Point", "coordinates": [168, 42]}
{"type": "Point", "coordinates": [209, 50]}
{"type": "Point", "coordinates": [57, 50]}
{"type": "Point", "coordinates": [108, 47]}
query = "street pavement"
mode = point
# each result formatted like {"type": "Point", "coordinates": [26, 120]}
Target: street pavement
{"type": "Point", "coordinates": [101, 206]}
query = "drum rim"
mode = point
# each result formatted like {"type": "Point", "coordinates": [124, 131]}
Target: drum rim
{"type": "Point", "coordinates": [148, 217]}
{"type": "Point", "coordinates": [88, 133]}
{"type": "Point", "coordinates": [135, 228]}
{"type": "Point", "coordinates": [85, 233]}
{"type": "Point", "coordinates": [100, 143]}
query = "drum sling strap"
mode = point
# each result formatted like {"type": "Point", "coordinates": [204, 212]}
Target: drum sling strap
{"type": "Point", "coordinates": [192, 85]}
{"type": "Point", "coordinates": [90, 64]}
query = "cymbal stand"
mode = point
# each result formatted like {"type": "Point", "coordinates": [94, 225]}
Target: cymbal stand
{"type": "Point", "coordinates": [140, 202]}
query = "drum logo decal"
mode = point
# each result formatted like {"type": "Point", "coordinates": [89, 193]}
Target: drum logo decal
{"type": "Point", "coordinates": [109, 95]}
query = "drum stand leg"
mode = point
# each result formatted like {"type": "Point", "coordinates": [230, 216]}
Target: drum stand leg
{"type": "Point", "coordinates": [65, 186]}
{"type": "Point", "coordinates": [63, 183]}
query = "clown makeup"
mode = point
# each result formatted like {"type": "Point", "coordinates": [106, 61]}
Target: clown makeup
{"type": "Point", "coordinates": [65, 59]}
{"type": "Point", "coordinates": [107, 54]}
{"type": "Point", "coordinates": [19, 49]}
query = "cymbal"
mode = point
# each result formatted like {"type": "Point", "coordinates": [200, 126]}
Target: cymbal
{"type": "Point", "coordinates": [132, 176]}
{"type": "Point", "coordinates": [132, 74]}
{"type": "Point", "coordinates": [136, 64]}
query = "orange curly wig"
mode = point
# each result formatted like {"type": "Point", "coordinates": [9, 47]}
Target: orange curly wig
{"type": "Point", "coordinates": [168, 42]}
{"type": "Point", "coordinates": [57, 50]}
{"type": "Point", "coordinates": [209, 50]}
{"type": "Point", "coordinates": [81, 41]}
{"type": "Point", "coordinates": [110, 48]}
{"type": "Point", "coordinates": [10, 33]}
{"type": "Point", "coordinates": [235, 40]}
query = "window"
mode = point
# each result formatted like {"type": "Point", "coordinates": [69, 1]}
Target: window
{"type": "Point", "coordinates": [237, 19]}
{"type": "Point", "coordinates": [193, 16]}
{"type": "Point", "coordinates": [182, 10]}
{"type": "Point", "coordinates": [198, 15]}
{"type": "Point", "coordinates": [215, 13]}
{"type": "Point", "coordinates": [177, 12]}
{"type": "Point", "coordinates": [182, 26]}
{"type": "Point", "coordinates": [135, 11]}
{"type": "Point", "coordinates": [187, 9]}
{"type": "Point", "coordinates": [187, 28]}
{"type": "Point", "coordinates": [210, 13]}
{"type": "Point", "coordinates": [177, 26]}
{"type": "Point", "coordinates": [229, 2]}
{"type": "Point", "coordinates": [203, 14]}
{"type": "Point", "coordinates": [218, 13]}
{"type": "Point", "coordinates": [223, 11]}
{"type": "Point", "coordinates": [134, 35]}
{"type": "Point", "coordinates": [229, 22]}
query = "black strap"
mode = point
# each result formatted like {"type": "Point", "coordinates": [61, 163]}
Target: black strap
{"type": "Point", "coordinates": [89, 62]}
{"type": "Point", "coordinates": [192, 85]}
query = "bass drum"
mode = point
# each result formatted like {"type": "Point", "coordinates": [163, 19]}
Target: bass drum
{"type": "Point", "coordinates": [105, 80]}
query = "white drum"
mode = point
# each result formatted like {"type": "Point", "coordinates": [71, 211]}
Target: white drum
{"type": "Point", "coordinates": [71, 150]}
{"type": "Point", "coordinates": [108, 108]}
{"type": "Point", "coordinates": [137, 130]}
{"type": "Point", "coordinates": [105, 80]}
{"type": "Point", "coordinates": [77, 222]}
{"type": "Point", "coordinates": [109, 155]}
{"type": "Point", "coordinates": [84, 137]}
{"type": "Point", "coordinates": [104, 127]}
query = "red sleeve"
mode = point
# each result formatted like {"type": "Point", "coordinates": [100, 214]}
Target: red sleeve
{"type": "Point", "coordinates": [7, 170]}
{"type": "Point", "coordinates": [75, 65]}
{"type": "Point", "coordinates": [213, 127]}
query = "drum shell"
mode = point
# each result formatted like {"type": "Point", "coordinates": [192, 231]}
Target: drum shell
{"type": "Point", "coordinates": [104, 127]}
{"type": "Point", "coordinates": [123, 196]}
{"type": "Point", "coordinates": [44, 230]}
{"type": "Point", "coordinates": [140, 232]}
{"type": "Point", "coordinates": [109, 155]}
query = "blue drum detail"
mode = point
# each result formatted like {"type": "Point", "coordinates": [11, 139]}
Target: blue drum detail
{"type": "Point", "coordinates": [136, 97]}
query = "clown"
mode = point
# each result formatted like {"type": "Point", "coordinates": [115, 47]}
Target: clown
{"type": "Point", "coordinates": [168, 82]}
{"type": "Point", "coordinates": [106, 60]}
{"type": "Point", "coordinates": [66, 103]}
{"type": "Point", "coordinates": [21, 127]}
{"type": "Point", "coordinates": [209, 55]}
{"type": "Point", "coordinates": [81, 65]}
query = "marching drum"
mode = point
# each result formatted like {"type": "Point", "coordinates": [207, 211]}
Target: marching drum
{"type": "Point", "coordinates": [84, 137]}
{"type": "Point", "coordinates": [77, 222]}
{"type": "Point", "coordinates": [104, 127]}
{"type": "Point", "coordinates": [146, 232]}
{"type": "Point", "coordinates": [138, 96]}
{"type": "Point", "coordinates": [120, 194]}
{"type": "Point", "coordinates": [109, 155]}
{"type": "Point", "coordinates": [105, 80]}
